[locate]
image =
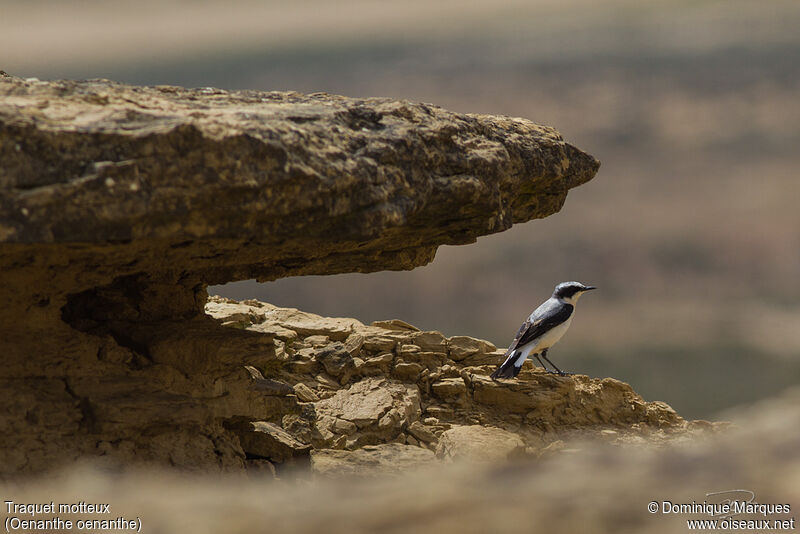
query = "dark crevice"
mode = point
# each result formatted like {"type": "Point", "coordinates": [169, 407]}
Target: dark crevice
{"type": "Point", "coordinates": [88, 420]}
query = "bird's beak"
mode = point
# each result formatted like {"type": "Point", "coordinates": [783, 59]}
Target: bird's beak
{"type": "Point", "coordinates": [589, 288]}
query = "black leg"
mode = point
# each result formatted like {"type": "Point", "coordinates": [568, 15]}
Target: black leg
{"type": "Point", "coordinates": [536, 355]}
{"type": "Point", "coordinates": [559, 371]}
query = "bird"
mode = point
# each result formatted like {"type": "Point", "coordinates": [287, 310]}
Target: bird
{"type": "Point", "coordinates": [543, 328]}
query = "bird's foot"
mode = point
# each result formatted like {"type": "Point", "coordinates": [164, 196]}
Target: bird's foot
{"type": "Point", "coordinates": [560, 373]}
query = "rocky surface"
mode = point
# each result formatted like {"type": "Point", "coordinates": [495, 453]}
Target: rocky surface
{"type": "Point", "coordinates": [120, 204]}
{"type": "Point", "coordinates": [586, 487]}
{"type": "Point", "coordinates": [404, 388]}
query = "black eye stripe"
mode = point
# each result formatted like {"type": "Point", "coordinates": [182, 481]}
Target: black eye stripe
{"type": "Point", "coordinates": [568, 291]}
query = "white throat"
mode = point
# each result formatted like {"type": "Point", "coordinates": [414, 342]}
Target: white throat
{"type": "Point", "coordinates": [573, 299]}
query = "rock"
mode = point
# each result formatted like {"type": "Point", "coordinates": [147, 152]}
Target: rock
{"type": "Point", "coordinates": [575, 400]}
{"type": "Point", "coordinates": [340, 426]}
{"type": "Point", "coordinates": [120, 204]}
{"type": "Point", "coordinates": [317, 341]}
{"type": "Point", "coordinates": [337, 361]}
{"type": "Point", "coordinates": [408, 372]}
{"type": "Point", "coordinates": [478, 444]}
{"type": "Point", "coordinates": [354, 343]}
{"type": "Point", "coordinates": [422, 432]}
{"type": "Point", "coordinates": [396, 324]}
{"type": "Point", "coordinates": [378, 407]}
{"type": "Point", "coordinates": [377, 460]}
{"type": "Point", "coordinates": [310, 325]}
{"type": "Point", "coordinates": [377, 365]}
{"type": "Point", "coordinates": [430, 341]}
{"type": "Point", "coordinates": [275, 330]}
{"type": "Point", "coordinates": [305, 393]}
{"type": "Point", "coordinates": [379, 343]}
{"type": "Point", "coordinates": [450, 389]}
{"type": "Point", "coordinates": [461, 347]}
{"type": "Point", "coordinates": [428, 360]}
{"type": "Point", "coordinates": [268, 440]}
{"type": "Point", "coordinates": [494, 358]}
{"type": "Point", "coordinates": [326, 381]}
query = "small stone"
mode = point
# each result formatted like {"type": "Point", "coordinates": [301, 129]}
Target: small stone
{"type": "Point", "coordinates": [379, 343]}
{"type": "Point", "coordinates": [317, 340]}
{"type": "Point", "coordinates": [280, 350]}
{"type": "Point", "coordinates": [412, 441]}
{"type": "Point", "coordinates": [439, 412]}
{"type": "Point", "coordinates": [421, 432]}
{"type": "Point", "coordinates": [353, 344]}
{"type": "Point", "coordinates": [407, 371]}
{"type": "Point", "coordinates": [277, 331]}
{"type": "Point", "coordinates": [449, 389]}
{"type": "Point", "coordinates": [390, 420]}
{"type": "Point", "coordinates": [341, 426]}
{"type": "Point", "coordinates": [305, 393]}
{"type": "Point", "coordinates": [298, 426]}
{"type": "Point", "coordinates": [302, 366]}
{"type": "Point", "coordinates": [268, 440]}
{"type": "Point", "coordinates": [396, 324]}
{"type": "Point", "coordinates": [326, 381]}
{"type": "Point", "coordinates": [430, 341]}
{"type": "Point", "coordinates": [382, 359]}
{"type": "Point", "coordinates": [337, 361]}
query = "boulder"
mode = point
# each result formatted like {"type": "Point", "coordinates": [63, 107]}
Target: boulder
{"type": "Point", "coordinates": [379, 408]}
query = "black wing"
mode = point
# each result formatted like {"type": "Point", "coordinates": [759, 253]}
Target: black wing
{"type": "Point", "coordinates": [543, 320]}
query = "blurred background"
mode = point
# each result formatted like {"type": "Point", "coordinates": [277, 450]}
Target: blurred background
{"type": "Point", "coordinates": [691, 229]}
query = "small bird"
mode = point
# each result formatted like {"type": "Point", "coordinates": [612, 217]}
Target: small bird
{"type": "Point", "coordinates": [543, 328]}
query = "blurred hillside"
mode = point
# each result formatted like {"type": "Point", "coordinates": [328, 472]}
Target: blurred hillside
{"type": "Point", "coordinates": [691, 229]}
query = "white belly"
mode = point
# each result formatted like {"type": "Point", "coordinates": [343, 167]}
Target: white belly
{"type": "Point", "coordinates": [549, 339]}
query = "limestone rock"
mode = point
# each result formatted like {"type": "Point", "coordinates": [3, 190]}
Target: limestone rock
{"type": "Point", "coordinates": [494, 358]}
{"type": "Point", "coordinates": [354, 343]}
{"type": "Point", "coordinates": [450, 389]}
{"type": "Point", "coordinates": [407, 371]}
{"type": "Point", "coordinates": [461, 347]}
{"type": "Point", "coordinates": [396, 324]}
{"type": "Point", "coordinates": [305, 393]}
{"type": "Point", "coordinates": [379, 408]}
{"type": "Point", "coordinates": [337, 361]}
{"type": "Point", "coordinates": [430, 341]}
{"type": "Point", "coordinates": [422, 432]}
{"type": "Point", "coordinates": [370, 460]}
{"type": "Point", "coordinates": [575, 400]}
{"type": "Point", "coordinates": [268, 440]}
{"type": "Point", "coordinates": [120, 204]}
{"type": "Point", "coordinates": [310, 324]}
{"type": "Point", "coordinates": [477, 443]}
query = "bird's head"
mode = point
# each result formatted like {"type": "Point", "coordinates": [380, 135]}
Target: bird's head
{"type": "Point", "coordinates": [571, 291]}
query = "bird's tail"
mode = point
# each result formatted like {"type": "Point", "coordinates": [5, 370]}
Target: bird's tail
{"type": "Point", "coordinates": [508, 369]}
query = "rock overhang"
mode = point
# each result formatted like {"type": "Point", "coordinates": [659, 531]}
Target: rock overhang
{"type": "Point", "coordinates": [223, 186]}
{"type": "Point", "coordinates": [120, 204]}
